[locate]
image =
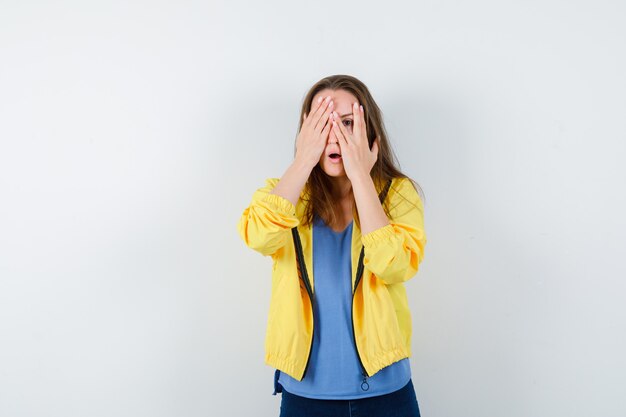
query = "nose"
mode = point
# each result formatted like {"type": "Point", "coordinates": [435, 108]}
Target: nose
{"type": "Point", "coordinates": [332, 138]}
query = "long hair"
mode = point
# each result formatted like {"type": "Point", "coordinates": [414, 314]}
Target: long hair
{"type": "Point", "coordinates": [317, 190]}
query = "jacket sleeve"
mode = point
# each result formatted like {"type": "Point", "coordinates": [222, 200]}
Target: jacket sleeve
{"type": "Point", "coordinates": [393, 252]}
{"type": "Point", "coordinates": [266, 223]}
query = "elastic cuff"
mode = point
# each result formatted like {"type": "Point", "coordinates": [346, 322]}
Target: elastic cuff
{"type": "Point", "coordinates": [281, 204]}
{"type": "Point", "coordinates": [377, 235]}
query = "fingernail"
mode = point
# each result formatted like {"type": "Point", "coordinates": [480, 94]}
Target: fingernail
{"type": "Point", "coordinates": [361, 108]}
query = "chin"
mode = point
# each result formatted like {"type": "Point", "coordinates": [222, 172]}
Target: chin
{"type": "Point", "coordinates": [334, 172]}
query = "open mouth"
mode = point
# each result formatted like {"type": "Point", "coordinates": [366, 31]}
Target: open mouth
{"type": "Point", "coordinates": [334, 156]}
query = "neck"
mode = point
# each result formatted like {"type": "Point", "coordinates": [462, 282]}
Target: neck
{"type": "Point", "coordinates": [341, 188]}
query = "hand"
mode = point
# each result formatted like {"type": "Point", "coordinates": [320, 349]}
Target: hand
{"type": "Point", "coordinates": [311, 140]}
{"type": "Point", "coordinates": [358, 159]}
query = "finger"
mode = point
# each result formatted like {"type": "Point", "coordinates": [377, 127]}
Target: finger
{"type": "Point", "coordinates": [342, 128]}
{"type": "Point", "coordinates": [323, 117]}
{"type": "Point", "coordinates": [339, 134]}
{"type": "Point", "coordinates": [361, 119]}
{"type": "Point", "coordinates": [314, 108]}
{"type": "Point", "coordinates": [326, 131]}
{"type": "Point", "coordinates": [356, 117]}
{"type": "Point", "coordinates": [319, 112]}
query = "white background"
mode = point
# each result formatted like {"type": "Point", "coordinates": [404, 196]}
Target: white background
{"type": "Point", "coordinates": [133, 135]}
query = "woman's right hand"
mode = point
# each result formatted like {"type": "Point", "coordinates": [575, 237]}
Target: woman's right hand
{"type": "Point", "coordinates": [311, 140]}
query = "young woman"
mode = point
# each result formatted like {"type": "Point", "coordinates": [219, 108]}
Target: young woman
{"type": "Point", "coordinates": [345, 230]}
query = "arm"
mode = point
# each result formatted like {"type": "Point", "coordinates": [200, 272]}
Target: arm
{"type": "Point", "coordinates": [292, 182]}
{"type": "Point", "coordinates": [394, 251]}
{"type": "Point", "coordinates": [371, 213]}
{"type": "Point", "coordinates": [264, 226]}
{"type": "Point", "coordinates": [266, 223]}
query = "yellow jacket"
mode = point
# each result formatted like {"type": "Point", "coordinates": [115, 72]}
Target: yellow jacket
{"type": "Point", "coordinates": [380, 310]}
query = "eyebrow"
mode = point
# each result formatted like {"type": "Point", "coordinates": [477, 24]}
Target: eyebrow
{"type": "Point", "coordinates": [344, 115]}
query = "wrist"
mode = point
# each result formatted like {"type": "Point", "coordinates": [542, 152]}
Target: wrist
{"type": "Point", "coordinates": [302, 164]}
{"type": "Point", "coordinates": [361, 178]}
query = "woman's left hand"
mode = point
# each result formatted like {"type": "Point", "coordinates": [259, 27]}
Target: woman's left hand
{"type": "Point", "coordinates": [358, 159]}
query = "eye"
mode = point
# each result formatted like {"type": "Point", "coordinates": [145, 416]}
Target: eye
{"type": "Point", "coordinates": [347, 121]}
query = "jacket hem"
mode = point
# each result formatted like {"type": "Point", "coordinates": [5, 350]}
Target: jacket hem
{"type": "Point", "coordinates": [385, 359]}
{"type": "Point", "coordinates": [294, 369]}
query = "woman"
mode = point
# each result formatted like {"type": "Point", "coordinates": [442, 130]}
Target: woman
{"type": "Point", "coordinates": [345, 230]}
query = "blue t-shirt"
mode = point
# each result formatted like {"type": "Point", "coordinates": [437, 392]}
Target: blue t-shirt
{"type": "Point", "coordinates": [334, 370]}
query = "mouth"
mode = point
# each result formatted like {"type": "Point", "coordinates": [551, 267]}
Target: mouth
{"type": "Point", "coordinates": [335, 156]}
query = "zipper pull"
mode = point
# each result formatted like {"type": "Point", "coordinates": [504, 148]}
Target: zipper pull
{"type": "Point", "coordinates": [364, 385]}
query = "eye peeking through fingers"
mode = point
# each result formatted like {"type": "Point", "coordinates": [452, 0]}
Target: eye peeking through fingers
{"type": "Point", "coordinates": [347, 123]}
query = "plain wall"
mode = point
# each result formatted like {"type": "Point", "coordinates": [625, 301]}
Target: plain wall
{"type": "Point", "coordinates": [133, 134]}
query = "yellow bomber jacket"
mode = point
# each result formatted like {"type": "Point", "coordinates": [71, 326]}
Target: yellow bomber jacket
{"type": "Point", "coordinates": [380, 310]}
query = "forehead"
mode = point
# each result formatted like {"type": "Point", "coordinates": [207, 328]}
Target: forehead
{"type": "Point", "coordinates": [340, 97]}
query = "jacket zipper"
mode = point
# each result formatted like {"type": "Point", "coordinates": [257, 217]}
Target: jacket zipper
{"type": "Point", "coordinates": [304, 276]}
{"type": "Point", "coordinates": [300, 258]}
{"type": "Point", "coordinates": [307, 284]}
{"type": "Point", "coordinates": [364, 385]}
